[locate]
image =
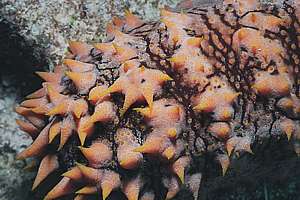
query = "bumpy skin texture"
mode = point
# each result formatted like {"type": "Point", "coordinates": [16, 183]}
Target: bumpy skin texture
{"type": "Point", "coordinates": [138, 113]}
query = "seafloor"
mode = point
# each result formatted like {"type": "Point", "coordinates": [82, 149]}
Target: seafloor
{"type": "Point", "coordinates": [34, 36]}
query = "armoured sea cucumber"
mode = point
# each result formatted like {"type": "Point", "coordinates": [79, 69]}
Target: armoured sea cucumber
{"type": "Point", "coordinates": [137, 113]}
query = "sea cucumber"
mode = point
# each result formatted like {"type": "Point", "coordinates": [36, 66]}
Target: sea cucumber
{"type": "Point", "coordinates": [138, 112]}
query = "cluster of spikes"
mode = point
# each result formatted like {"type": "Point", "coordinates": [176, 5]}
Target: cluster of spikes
{"type": "Point", "coordinates": [184, 79]}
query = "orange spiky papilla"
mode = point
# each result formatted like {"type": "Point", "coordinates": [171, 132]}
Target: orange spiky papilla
{"type": "Point", "coordinates": [132, 188]}
{"type": "Point", "coordinates": [47, 166]}
{"type": "Point", "coordinates": [159, 96]}
{"type": "Point", "coordinates": [127, 157]}
{"type": "Point", "coordinates": [166, 117]}
{"type": "Point", "coordinates": [37, 146]}
{"type": "Point", "coordinates": [64, 187]}
{"type": "Point", "coordinates": [97, 154]}
{"type": "Point", "coordinates": [138, 84]}
{"type": "Point", "coordinates": [107, 180]}
{"type": "Point", "coordinates": [179, 167]}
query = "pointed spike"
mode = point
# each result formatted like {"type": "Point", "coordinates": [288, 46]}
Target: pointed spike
{"type": "Point", "coordinates": [49, 77]}
{"type": "Point", "coordinates": [105, 47]}
{"type": "Point", "coordinates": [85, 128]}
{"type": "Point", "coordinates": [82, 136]}
{"type": "Point", "coordinates": [139, 149]}
{"type": "Point", "coordinates": [106, 92]}
{"type": "Point", "coordinates": [32, 103]}
{"type": "Point", "coordinates": [130, 162]}
{"type": "Point", "coordinates": [67, 127]}
{"type": "Point", "coordinates": [244, 144]}
{"type": "Point", "coordinates": [47, 166]}
{"type": "Point", "coordinates": [77, 66]}
{"type": "Point", "coordinates": [84, 125]}
{"type": "Point", "coordinates": [115, 87]}
{"type": "Point", "coordinates": [106, 190]}
{"type": "Point", "coordinates": [118, 22]}
{"type": "Point", "coordinates": [130, 64]}
{"type": "Point", "coordinates": [248, 149]}
{"type": "Point", "coordinates": [37, 146]}
{"type": "Point", "coordinates": [36, 119]}
{"type": "Point", "coordinates": [126, 142]}
{"type": "Point", "coordinates": [220, 130]}
{"type": "Point", "coordinates": [110, 30]}
{"type": "Point", "coordinates": [132, 20]}
{"type": "Point", "coordinates": [90, 173]}
{"type": "Point", "coordinates": [54, 96]}
{"type": "Point", "coordinates": [79, 48]}
{"type": "Point", "coordinates": [128, 13]}
{"type": "Point", "coordinates": [229, 148]}
{"type": "Point", "coordinates": [172, 133]}
{"type": "Point", "coordinates": [169, 152]}
{"type": "Point", "coordinates": [23, 111]}
{"type": "Point", "coordinates": [87, 190]}
{"type": "Point", "coordinates": [95, 94]}
{"type": "Point", "coordinates": [64, 187]}
{"type": "Point", "coordinates": [124, 53]}
{"type": "Point", "coordinates": [74, 76]}
{"type": "Point", "coordinates": [179, 167]}
{"type": "Point", "coordinates": [289, 134]}
{"type": "Point", "coordinates": [119, 50]}
{"type": "Point", "coordinates": [288, 127]}
{"type": "Point", "coordinates": [37, 94]}
{"type": "Point", "coordinates": [224, 162]}
{"type": "Point", "coordinates": [82, 81]}
{"type": "Point", "coordinates": [203, 106]}
{"type": "Point", "coordinates": [74, 174]}
{"type": "Point", "coordinates": [195, 41]}
{"type": "Point", "coordinates": [42, 110]}
{"type": "Point", "coordinates": [144, 111]}
{"type": "Point", "coordinates": [98, 154]}
{"type": "Point", "coordinates": [103, 112]}
{"type": "Point", "coordinates": [81, 197]}
{"type": "Point", "coordinates": [142, 68]}
{"type": "Point", "coordinates": [80, 107]}
{"type": "Point", "coordinates": [165, 77]}
{"type": "Point", "coordinates": [130, 98]}
{"type": "Point", "coordinates": [152, 145]}
{"type": "Point", "coordinates": [148, 93]}
{"type": "Point", "coordinates": [229, 97]}
{"type": "Point", "coordinates": [180, 174]}
{"type": "Point", "coordinates": [60, 109]}
{"type": "Point", "coordinates": [110, 182]}
{"type": "Point", "coordinates": [54, 130]}
{"type": "Point", "coordinates": [114, 31]}
{"type": "Point", "coordinates": [132, 188]}
{"type": "Point", "coordinates": [28, 128]}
